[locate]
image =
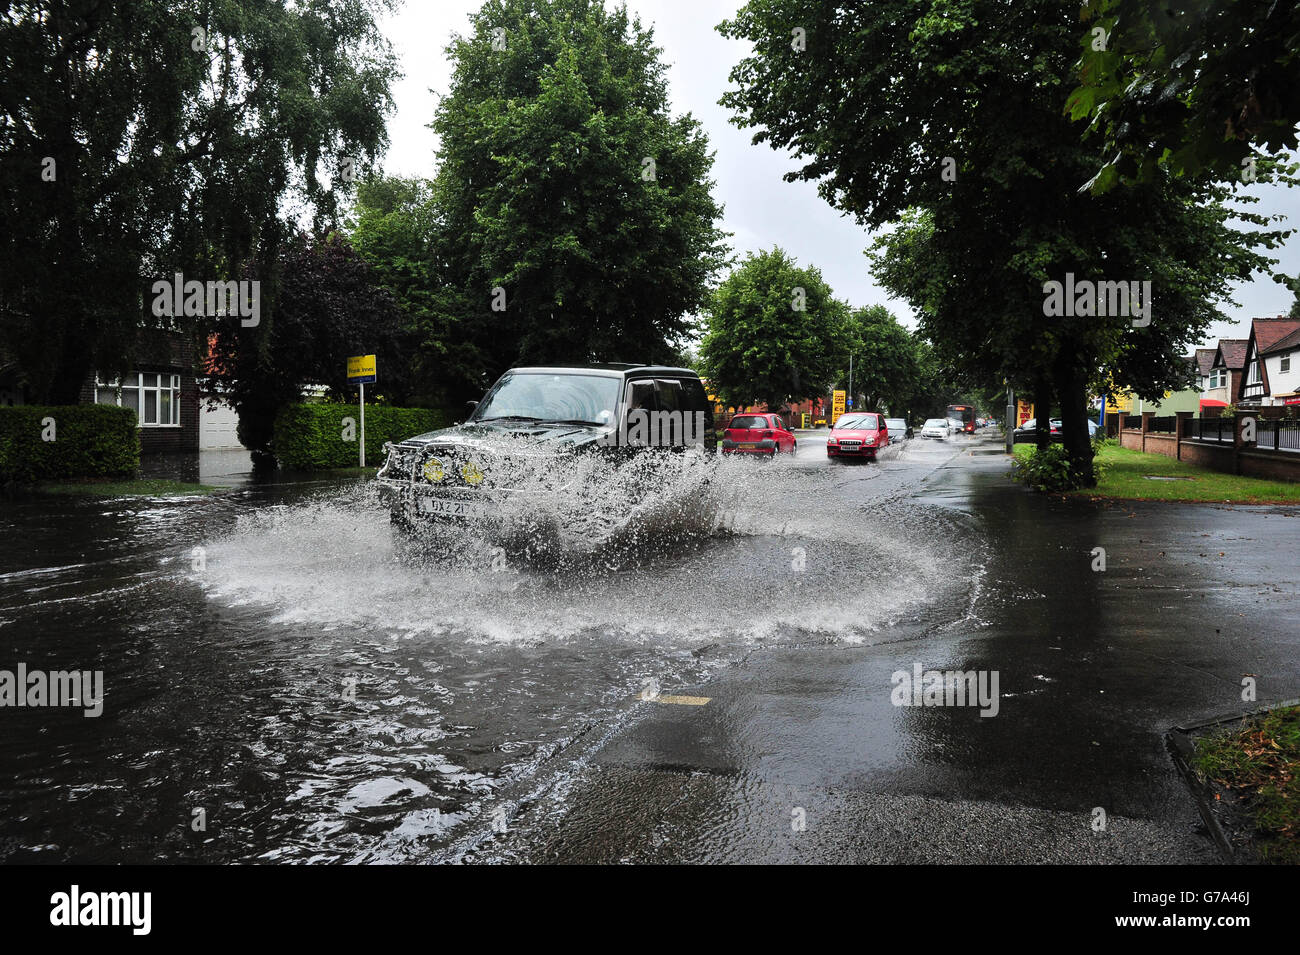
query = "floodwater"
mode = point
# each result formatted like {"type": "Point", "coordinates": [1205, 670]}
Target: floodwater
{"type": "Point", "coordinates": [285, 683]}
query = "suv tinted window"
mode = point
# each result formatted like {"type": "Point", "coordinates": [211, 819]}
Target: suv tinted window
{"type": "Point", "coordinates": [641, 394]}
{"type": "Point", "coordinates": [670, 394]}
{"type": "Point", "coordinates": [693, 396]}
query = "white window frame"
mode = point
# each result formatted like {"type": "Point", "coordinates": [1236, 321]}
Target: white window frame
{"type": "Point", "coordinates": [136, 383]}
{"type": "Point", "coordinates": [1284, 363]}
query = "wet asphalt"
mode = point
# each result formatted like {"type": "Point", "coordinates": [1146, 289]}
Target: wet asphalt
{"type": "Point", "coordinates": [325, 700]}
{"type": "Point", "coordinates": [799, 755]}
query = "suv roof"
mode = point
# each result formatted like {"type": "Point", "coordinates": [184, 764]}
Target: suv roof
{"type": "Point", "coordinates": [609, 368]}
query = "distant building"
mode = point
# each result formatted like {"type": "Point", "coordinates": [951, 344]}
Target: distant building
{"type": "Point", "coordinates": [1187, 398]}
{"type": "Point", "coordinates": [1226, 370]}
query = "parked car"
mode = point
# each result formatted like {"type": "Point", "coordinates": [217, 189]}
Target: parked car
{"type": "Point", "coordinates": [858, 436]}
{"type": "Point", "coordinates": [529, 420]}
{"type": "Point", "coordinates": [755, 433]}
{"type": "Point", "coordinates": [936, 428]}
{"type": "Point", "coordinates": [898, 430]}
{"type": "Point", "coordinates": [1028, 432]}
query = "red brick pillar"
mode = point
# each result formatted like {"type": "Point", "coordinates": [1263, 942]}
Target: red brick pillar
{"type": "Point", "coordinates": [1239, 443]}
{"type": "Point", "coordinates": [1146, 426]}
{"type": "Point", "coordinates": [1180, 428]}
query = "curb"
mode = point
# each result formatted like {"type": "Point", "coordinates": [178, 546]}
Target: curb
{"type": "Point", "coordinates": [1179, 741]}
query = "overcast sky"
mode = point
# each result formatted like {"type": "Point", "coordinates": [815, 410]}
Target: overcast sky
{"type": "Point", "coordinates": [760, 209]}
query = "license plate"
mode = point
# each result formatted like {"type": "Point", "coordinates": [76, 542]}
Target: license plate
{"type": "Point", "coordinates": [747, 445]}
{"type": "Point", "coordinates": [467, 509]}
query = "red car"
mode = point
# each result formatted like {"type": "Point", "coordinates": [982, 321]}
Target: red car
{"type": "Point", "coordinates": [755, 433]}
{"type": "Point", "coordinates": [858, 436]}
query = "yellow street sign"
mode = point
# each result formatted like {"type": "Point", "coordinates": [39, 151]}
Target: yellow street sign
{"type": "Point", "coordinates": [837, 404]}
{"type": "Point", "coordinates": [361, 368]}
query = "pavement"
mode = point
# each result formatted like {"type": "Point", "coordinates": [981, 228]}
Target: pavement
{"type": "Point", "coordinates": [799, 755]}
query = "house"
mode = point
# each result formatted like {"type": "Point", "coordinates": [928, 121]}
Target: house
{"type": "Point", "coordinates": [1226, 371]}
{"type": "Point", "coordinates": [1186, 398]}
{"type": "Point", "coordinates": [1204, 358]}
{"type": "Point", "coordinates": [160, 388]}
{"type": "Point", "coordinates": [1272, 364]}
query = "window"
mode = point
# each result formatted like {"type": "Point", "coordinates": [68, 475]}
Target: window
{"type": "Point", "coordinates": [641, 395]}
{"type": "Point", "coordinates": [1218, 377]}
{"type": "Point", "coordinates": [693, 395]}
{"type": "Point", "coordinates": [1286, 363]}
{"type": "Point", "coordinates": [1252, 376]}
{"type": "Point", "coordinates": [670, 393]}
{"type": "Point", "coordinates": [155, 397]}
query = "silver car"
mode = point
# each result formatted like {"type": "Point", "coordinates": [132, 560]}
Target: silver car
{"type": "Point", "coordinates": [897, 429]}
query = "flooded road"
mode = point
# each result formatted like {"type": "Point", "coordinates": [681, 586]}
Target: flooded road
{"type": "Point", "coordinates": [282, 684]}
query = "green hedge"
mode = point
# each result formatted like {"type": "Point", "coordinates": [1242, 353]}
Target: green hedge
{"type": "Point", "coordinates": [89, 441]}
{"type": "Point", "coordinates": [309, 437]}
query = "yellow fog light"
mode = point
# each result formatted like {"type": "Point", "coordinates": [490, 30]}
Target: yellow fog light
{"type": "Point", "coordinates": [433, 471]}
{"type": "Point", "coordinates": [471, 473]}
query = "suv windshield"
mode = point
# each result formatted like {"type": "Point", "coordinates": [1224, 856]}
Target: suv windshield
{"type": "Point", "coordinates": [558, 397]}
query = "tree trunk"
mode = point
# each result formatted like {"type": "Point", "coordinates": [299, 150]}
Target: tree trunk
{"type": "Point", "coordinates": [1042, 398]}
{"type": "Point", "coordinates": [1071, 390]}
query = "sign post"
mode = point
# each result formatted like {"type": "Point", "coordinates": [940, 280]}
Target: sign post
{"type": "Point", "coordinates": [361, 369]}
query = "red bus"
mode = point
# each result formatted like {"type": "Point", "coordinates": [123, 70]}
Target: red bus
{"type": "Point", "coordinates": [965, 414]}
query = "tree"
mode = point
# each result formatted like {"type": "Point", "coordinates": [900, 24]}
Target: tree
{"type": "Point", "coordinates": [900, 112]}
{"type": "Point", "coordinates": [1207, 87]}
{"type": "Point", "coordinates": [773, 332]}
{"type": "Point", "coordinates": [576, 216]}
{"type": "Point", "coordinates": [395, 226]}
{"type": "Point", "coordinates": [885, 360]}
{"type": "Point", "coordinates": [139, 139]}
{"type": "Point", "coordinates": [328, 307]}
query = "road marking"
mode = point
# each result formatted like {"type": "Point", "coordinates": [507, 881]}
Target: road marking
{"type": "Point", "coordinates": [680, 700]}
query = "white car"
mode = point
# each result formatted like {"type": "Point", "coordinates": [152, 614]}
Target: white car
{"type": "Point", "coordinates": [936, 428]}
{"type": "Point", "coordinates": [955, 426]}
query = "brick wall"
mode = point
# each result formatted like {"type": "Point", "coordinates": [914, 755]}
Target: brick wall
{"type": "Point", "coordinates": [1244, 459]}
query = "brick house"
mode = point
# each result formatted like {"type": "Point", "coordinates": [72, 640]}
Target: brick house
{"type": "Point", "coordinates": [1225, 375]}
{"type": "Point", "coordinates": [162, 389]}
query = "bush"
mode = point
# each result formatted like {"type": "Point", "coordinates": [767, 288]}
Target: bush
{"type": "Point", "coordinates": [1049, 469]}
{"type": "Point", "coordinates": [309, 437]}
{"type": "Point", "coordinates": [89, 441]}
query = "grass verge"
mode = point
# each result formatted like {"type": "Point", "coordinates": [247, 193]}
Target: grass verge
{"type": "Point", "coordinates": [1124, 475]}
{"type": "Point", "coordinates": [143, 487]}
{"type": "Point", "coordinates": [1261, 764]}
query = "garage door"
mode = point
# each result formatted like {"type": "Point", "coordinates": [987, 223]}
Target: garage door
{"type": "Point", "coordinates": [217, 427]}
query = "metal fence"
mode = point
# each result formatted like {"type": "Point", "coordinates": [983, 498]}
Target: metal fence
{"type": "Point", "coordinates": [1164, 424]}
{"type": "Point", "coordinates": [1271, 434]}
{"type": "Point", "coordinates": [1280, 434]}
{"type": "Point", "coordinates": [1209, 429]}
